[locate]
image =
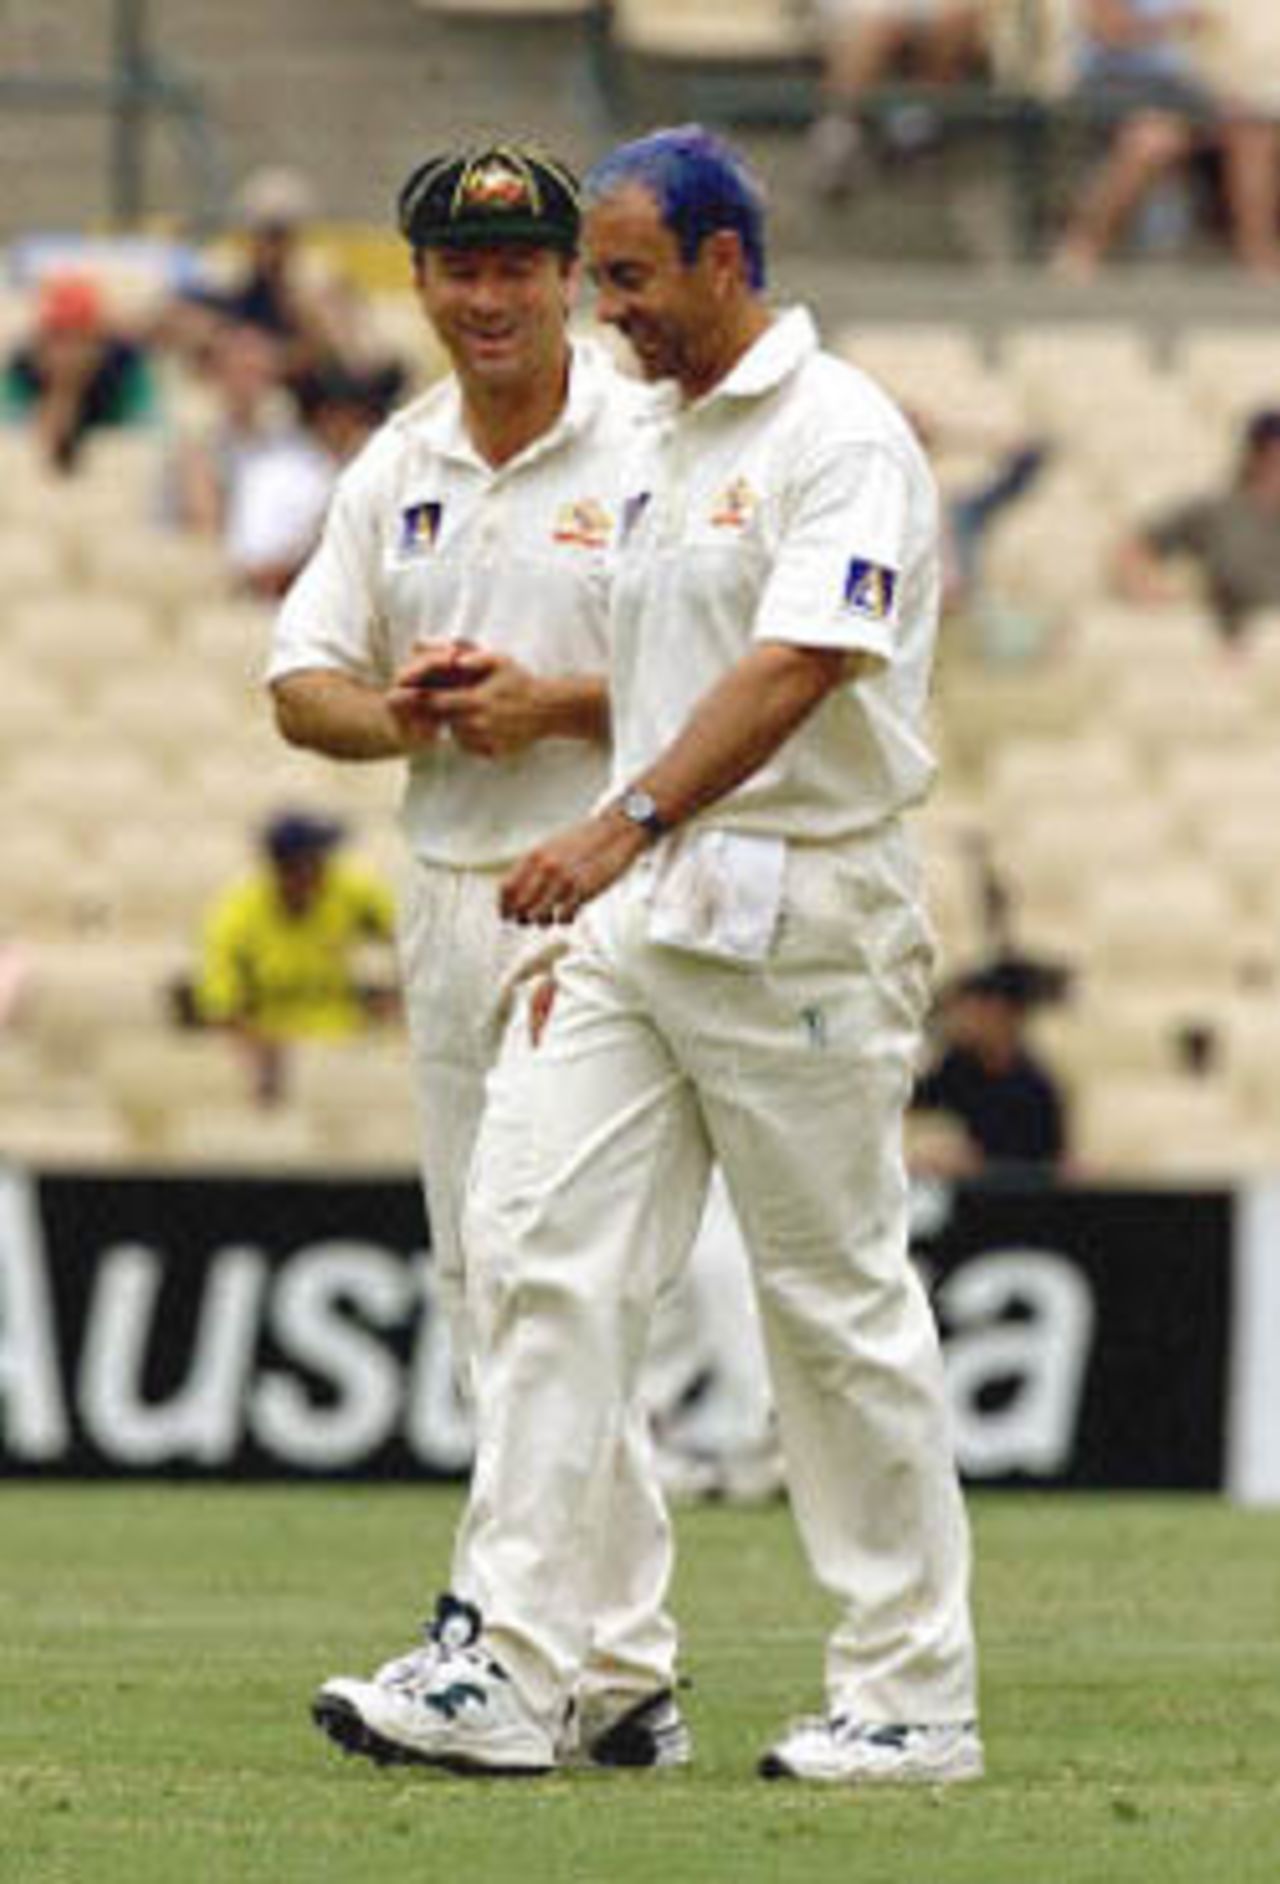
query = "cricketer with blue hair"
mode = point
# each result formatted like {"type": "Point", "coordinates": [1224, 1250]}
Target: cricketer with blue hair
{"type": "Point", "coordinates": [746, 982]}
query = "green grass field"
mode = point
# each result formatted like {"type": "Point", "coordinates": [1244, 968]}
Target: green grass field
{"type": "Point", "coordinates": [158, 1648]}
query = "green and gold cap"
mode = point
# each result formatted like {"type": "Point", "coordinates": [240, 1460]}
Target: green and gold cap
{"type": "Point", "coordinates": [501, 193]}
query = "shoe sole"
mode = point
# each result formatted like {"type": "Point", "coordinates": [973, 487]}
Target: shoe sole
{"type": "Point", "coordinates": [773, 1766]}
{"type": "Point", "coordinates": [342, 1723]}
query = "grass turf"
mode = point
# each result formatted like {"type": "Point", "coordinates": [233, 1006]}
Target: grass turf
{"type": "Point", "coordinates": [158, 1648]}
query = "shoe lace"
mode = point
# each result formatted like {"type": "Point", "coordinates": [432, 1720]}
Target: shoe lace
{"type": "Point", "coordinates": [450, 1632]}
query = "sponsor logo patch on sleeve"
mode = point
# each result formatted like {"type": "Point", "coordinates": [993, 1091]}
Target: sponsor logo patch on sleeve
{"type": "Point", "coordinates": [869, 589]}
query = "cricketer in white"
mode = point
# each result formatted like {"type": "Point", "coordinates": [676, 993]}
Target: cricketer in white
{"type": "Point", "coordinates": [454, 616]}
{"type": "Point", "coordinates": [747, 984]}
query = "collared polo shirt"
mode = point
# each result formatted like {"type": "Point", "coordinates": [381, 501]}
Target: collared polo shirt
{"type": "Point", "coordinates": [424, 539]}
{"type": "Point", "coordinates": [792, 503]}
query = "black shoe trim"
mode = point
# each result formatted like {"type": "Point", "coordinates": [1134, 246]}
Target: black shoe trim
{"type": "Point", "coordinates": [630, 1741]}
{"type": "Point", "coordinates": [342, 1723]}
{"type": "Point", "coordinates": [773, 1766]}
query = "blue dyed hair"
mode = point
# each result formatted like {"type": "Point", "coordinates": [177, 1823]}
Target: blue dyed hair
{"type": "Point", "coordinates": [699, 184]}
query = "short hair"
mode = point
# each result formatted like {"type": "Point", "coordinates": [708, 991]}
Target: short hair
{"type": "Point", "coordinates": [699, 183]}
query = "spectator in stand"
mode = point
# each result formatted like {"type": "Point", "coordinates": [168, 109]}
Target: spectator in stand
{"type": "Point", "coordinates": [283, 289]}
{"type": "Point", "coordinates": [988, 1080]}
{"type": "Point", "coordinates": [1139, 72]}
{"type": "Point", "coordinates": [870, 43]}
{"type": "Point", "coordinates": [279, 493]}
{"type": "Point", "coordinates": [1232, 536]}
{"type": "Point", "coordinates": [249, 411]}
{"type": "Point", "coordinates": [76, 373]}
{"type": "Point", "coordinates": [283, 953]}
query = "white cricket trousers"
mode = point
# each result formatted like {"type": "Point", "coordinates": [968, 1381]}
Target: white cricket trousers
{"type": "Point", "coordinates": [587, 1187]}
{"type": "Point", "coordinates": [459, 962]}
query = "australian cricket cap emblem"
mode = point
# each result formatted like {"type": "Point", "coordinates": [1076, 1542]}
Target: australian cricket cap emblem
{"type": "Point", "coordinates": [495, 184]}
{"type": "Point", "coordinates": [500, 193]}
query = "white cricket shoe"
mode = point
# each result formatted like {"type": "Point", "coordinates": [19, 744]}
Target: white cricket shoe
{"type": "Point", "coordinates": [845, 1752]}
{"type": "Point", "coordinates": [619, 1730]}
{"type": "Point", "coordinates": [450, 1704]}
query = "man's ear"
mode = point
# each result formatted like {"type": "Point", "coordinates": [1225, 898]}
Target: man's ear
{"type": "Point", "coordinates": [726, 259]}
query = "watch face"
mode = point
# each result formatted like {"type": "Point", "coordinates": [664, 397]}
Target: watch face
{"type": "Point", "coordinates": [637, 805]}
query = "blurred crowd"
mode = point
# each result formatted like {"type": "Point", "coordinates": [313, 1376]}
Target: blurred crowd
{"type": "Point", "coordinates": [1174, 99]}
{"type": "Point", "coordinates": [261, 374]}
{"type": "Point", "coordinates": [280, 379]}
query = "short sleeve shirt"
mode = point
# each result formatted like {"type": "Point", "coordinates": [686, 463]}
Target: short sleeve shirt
{"type": "Point", "coordinates": [424, 539]}
{"type": "Point", "coordinates": [792, 504]}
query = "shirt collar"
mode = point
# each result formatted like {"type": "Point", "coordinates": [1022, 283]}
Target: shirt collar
{"type": "Point", "coordinates": [438, 419]}
{"type": "Point", "coordinates": [786, 343]}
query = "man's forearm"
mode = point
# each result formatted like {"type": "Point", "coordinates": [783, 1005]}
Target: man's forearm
{"type": "Point", "coordinates": [739, 724]}
{"type": "Point", "coordinates": [337, 715]}
{"type": "Point", "coordinates": [573, 706]}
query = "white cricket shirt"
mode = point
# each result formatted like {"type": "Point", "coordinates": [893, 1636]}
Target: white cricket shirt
{"type": "Point", "coordinates": [792, 503]}
{"type": "Point", "coordinates": [424, 539]}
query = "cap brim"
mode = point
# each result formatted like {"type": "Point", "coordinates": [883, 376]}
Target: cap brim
{"type": "Point", "coordinates": [494, 232]}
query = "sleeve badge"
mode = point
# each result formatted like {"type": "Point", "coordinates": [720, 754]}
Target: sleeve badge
{"type": "Point", "coordinates": [869, 589]}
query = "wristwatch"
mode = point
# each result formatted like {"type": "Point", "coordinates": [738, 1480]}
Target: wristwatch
{"type": "Point", "coordinates": [637, 806]}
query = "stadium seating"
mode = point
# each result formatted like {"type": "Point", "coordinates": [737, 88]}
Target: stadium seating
{"type": "Point", "coordinates": [1120, 778]}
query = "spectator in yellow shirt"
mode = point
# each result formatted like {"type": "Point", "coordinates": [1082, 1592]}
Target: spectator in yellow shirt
{"type": "Point", "coordinates": [282, 949]}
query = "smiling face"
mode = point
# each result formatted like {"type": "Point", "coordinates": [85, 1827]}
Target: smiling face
{"type": "Point", "coordinates": [680, 318]}
{"type": "Point", "coordinates": [500, 311]}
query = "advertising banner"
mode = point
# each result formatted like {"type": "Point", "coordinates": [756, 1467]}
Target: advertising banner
{"type": "Point", "coordinates": [252, 1328]}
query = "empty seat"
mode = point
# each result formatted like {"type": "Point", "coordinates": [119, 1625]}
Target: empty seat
{"type": "Point", "coordinates": [1251, 1058]}
{"type": "Point", "coordinates": [728, 31]}
{"type": "Point", "coordinates": [153, 1077]}
{"type": "Point", "coordinates": [1236, 787]}
{"type": "Point", "coordinates": [1231, 370]}
{"type": "Point", "coordinates": [1187, 1130]}
{"type": "Point", "coordinates": [1026, 775]}
{"type": "Point", "coordinates": [80, 641]}
{"type": "Point", "coordinates": [358, 1096]}
{"type": "Point", "coordinates": [1171, 924]}
{"type": "Point", "coordinates": [231, 638]}
{"type": "Point", "coordinates": [240, 1137]}
{"type": "Point", "coordinates": [165, 711]}
{"type": "Point", "coordinates": [168, 571]}
{"type": "Point", "coordinates": [53, 887]}
{"type": "Point", "coordinates": [29, 565]}
{"type": "Point", "coordinates": [37, 710]}
{"type": "Point", "coordinates": [1173, 709]}
{"type": "Point", "coordinates": [82, 789]}
{"type": "Point", "coordinates": [85, 1136]}
{"type": "Point", "coordinates": [80, 994]}
{"type": "Point", "coordinates": [1110, 633]}
{"type": "Point", "coordinates": [160, 881]}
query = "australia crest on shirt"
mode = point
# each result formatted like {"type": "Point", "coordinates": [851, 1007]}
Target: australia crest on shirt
{"type": "Point", "coordinates": [735, 506]}
{"type": "Point", "coordinates": [583, 522]}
